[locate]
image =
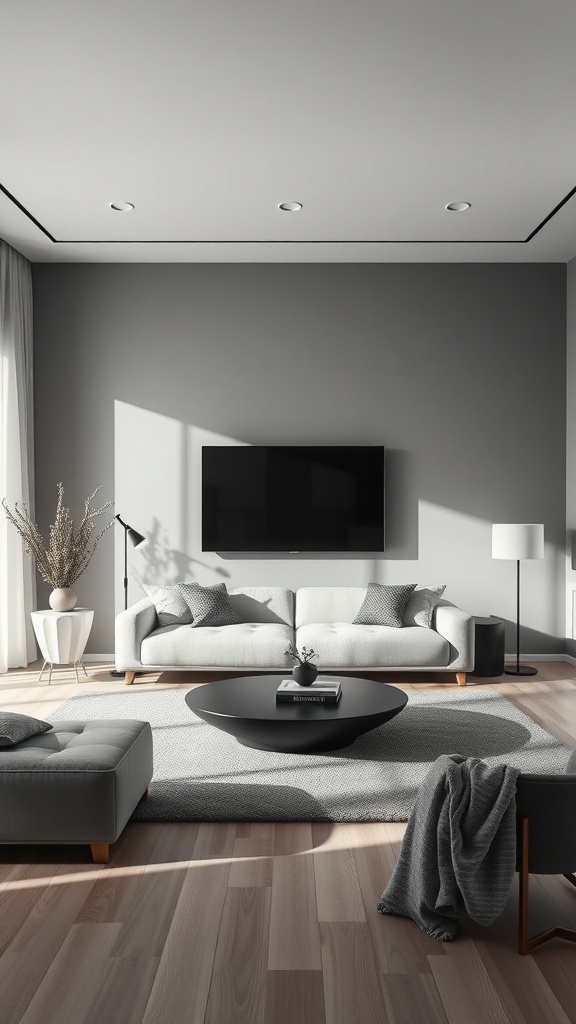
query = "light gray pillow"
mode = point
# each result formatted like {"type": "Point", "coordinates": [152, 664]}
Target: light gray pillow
{"type": "Point", "coordinates": [171, 608]}
{"type": "Point", "coordinates": [383, 606]}
{"type": "Point", "coordinates": [15, 728]}
{"type": "Point", "coordinates": [210, 606]}
{"type": "Point", "coordinates": [420, 608]}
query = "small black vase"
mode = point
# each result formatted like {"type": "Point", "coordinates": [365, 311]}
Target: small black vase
{"type": "Point", "coordinates": [305, 674]}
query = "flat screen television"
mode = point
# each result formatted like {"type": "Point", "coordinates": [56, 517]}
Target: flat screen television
{"type": "Point", "coordinates": [292, 498]}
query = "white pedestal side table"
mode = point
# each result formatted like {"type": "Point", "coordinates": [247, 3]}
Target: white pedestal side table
{"type": "Point", "coordinates": [62, 637]}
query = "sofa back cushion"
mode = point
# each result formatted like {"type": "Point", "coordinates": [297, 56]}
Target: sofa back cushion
{"type": "Point", "coordinates": [263, 604]}
{"type": "Point", "coordinates": [328, 604]}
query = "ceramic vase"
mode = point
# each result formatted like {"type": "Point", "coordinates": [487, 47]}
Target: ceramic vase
{"type": "Point", "coordinates": [305, 674]}
{"type": "Point", "coordinates": [63, 599]}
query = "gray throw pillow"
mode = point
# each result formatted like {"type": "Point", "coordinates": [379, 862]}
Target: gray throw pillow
{"type": "Point", "coordinates": [210, 606]}
{"type": "Point", "coordinates": [383, 606]}
{"type": "Point", "coordinates": [420, 608]}
{"type": "Point", "coordinates": [171, 608]}
{"type": "Point", "coordinates": [15, 728]}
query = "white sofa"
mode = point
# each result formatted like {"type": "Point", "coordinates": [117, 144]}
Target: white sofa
{"type": "Point", "coordinates": [272, 617]}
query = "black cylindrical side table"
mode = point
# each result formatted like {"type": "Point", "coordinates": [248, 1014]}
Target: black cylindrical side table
{"type": "Point", "coordinates": [489, 638]}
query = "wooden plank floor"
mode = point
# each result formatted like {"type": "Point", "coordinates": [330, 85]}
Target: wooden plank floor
{"type": "Point", "coordinates": [262, 923]}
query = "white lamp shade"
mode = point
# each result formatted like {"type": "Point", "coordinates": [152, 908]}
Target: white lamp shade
{"type": "Point", "coordinates": [517, 540]}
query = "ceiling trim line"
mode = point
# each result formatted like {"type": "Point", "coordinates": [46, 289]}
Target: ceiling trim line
{"type": "Point", "coordinates": [552, 214]}
{"type": "Point", "coordinates": [27, 213]}
{"type": "Point", "coordinates": [291, 241]}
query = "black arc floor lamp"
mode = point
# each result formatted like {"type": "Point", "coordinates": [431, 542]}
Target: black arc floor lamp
{"type": "Point", "coordinates": [136, 539]}
{"type": "Point", "coordinates": [518, 541]}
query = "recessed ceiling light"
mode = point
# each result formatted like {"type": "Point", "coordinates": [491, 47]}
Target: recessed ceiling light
{"type": "Point", "coordinates": [121, 207]}
{"type": "Point", "coordinates": [290, 207]}
{"type": "Point", "coordinates": [457, 207]}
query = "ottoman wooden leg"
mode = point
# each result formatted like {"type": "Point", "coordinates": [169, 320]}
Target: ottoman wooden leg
{"type": "Point", "coordinates": [100, 852]}
{"type": "Point", "coordinates": [129, 678]}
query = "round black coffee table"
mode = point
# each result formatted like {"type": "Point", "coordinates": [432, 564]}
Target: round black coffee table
{"type": "Point", "coordinates": [246, 707]}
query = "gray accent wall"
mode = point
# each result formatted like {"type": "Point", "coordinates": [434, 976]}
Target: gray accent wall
{"type": "Point", "coordinates": [458, 369]}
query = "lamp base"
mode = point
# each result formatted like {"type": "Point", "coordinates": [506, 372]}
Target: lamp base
{"type": "Point", "coordinates": [521, 670]}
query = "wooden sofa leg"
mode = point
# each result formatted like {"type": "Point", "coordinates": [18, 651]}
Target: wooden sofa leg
{"type": "Point", "coordinates": [129, 678]}
{"type": "Point", "coordinates": [461, 678]}
{"type": "Point", "coordinates": [100, 852]}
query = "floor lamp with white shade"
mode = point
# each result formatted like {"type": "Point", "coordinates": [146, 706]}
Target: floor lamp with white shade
{"type": "Point", "coordinates": [518, 541]}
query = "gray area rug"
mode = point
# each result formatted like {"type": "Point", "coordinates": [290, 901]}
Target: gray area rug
{"type": "Point", "coordinates": [202, 774]}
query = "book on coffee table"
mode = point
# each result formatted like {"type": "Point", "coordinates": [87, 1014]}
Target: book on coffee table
{"type": "Point", "coordinates": [320, 692]}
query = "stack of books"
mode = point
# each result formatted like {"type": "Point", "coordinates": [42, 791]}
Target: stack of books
{"type": "Point", "coordinates": [320, 692]}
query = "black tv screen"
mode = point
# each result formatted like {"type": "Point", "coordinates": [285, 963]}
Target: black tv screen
{"type": "Point", "coordinates": [292, 498]}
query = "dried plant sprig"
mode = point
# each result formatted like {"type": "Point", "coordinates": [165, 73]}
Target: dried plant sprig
{"type": "Point", "coordinates": [64, 557]}
{"type": "Point", "coordinates": [300, 657]}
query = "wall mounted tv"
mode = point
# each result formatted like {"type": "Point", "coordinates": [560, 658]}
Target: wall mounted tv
{"type": "Point", "coordinates": [292, 498]}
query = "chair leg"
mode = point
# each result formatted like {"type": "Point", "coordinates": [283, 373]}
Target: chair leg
{"type": "Point", "coordinates": [129, 678]}
{"type": "Point", "coordinates": [525, 943]}
{"type": "Point", "coordinates": [523, 877]}
{"type": "Point", "coordinates": [100, 852]}
{"type": "Point", "coordinates": [461, 678]}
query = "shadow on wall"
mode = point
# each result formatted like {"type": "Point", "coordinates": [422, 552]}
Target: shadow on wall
{"type": "Point", "coordinates": [157, 490]}
{"type": "Point", "coordinates": [532, 641]}
{"type": "Point", "coordinates": [161, 563]}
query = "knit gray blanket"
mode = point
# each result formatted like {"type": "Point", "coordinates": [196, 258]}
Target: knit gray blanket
{"type": "Point", "coordinates": [459, 850]}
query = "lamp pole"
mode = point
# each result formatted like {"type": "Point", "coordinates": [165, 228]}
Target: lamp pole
{"type": "Point", "coordinates": [126, 528]}
{"type": "Point", "coordinates": [136, 539]}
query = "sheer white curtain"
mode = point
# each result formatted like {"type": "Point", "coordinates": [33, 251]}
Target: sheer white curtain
{"type": "Point", "coordinates": [17, 574]}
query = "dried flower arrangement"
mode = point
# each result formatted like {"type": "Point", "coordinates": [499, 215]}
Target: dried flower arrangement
{"type": "Point", "coordinates": [300, 658]}
{"type": "Point", "coordinates": [64, 558]}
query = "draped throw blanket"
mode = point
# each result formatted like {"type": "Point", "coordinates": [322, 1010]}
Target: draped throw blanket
{"type": "Point", "coordinates": [459, 850]}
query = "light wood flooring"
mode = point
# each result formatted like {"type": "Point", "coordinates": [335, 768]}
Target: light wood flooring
{"type": "Point", "coordinates": [262, 923]}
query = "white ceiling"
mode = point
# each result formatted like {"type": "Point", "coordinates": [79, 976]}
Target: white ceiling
{"type": "Point", "coordinates": [208, 113]}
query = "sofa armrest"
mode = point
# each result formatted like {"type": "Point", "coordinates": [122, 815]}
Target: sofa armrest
{"type": "Point", "coordinates": [457, 627]}
{"type": "Point", "coordinates": [132, 626]}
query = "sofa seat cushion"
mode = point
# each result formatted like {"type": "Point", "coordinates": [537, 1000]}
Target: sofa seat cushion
{"type": "Point", "coordinates": [342, 644]}
{"type": "Point", "coordinates": [245, 645]}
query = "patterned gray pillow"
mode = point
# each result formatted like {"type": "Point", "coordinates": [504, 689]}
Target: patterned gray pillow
{"type": "Point", "coordinates": [383, 606]}
{"type": "Point", "coordinates": [420, 608]}
{"type": "Point", "coordinates": [171, 608]}
{"type": "Point", "coordinates": [210, 606]}
{"type": "Point", "coordinates": [15, 728]}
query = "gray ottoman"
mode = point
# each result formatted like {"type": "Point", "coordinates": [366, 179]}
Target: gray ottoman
{"type": "Point", "coordinates": [77, 783]}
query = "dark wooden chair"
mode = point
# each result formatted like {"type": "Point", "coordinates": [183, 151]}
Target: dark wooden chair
{"type": "Point", "coordinates": [546, 842]}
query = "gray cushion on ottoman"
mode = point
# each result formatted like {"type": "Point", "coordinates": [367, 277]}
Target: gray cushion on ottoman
{"type": "Point", "coordinates": [77, 783]}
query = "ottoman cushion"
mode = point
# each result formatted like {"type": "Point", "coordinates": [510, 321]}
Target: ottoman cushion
{"type": "Point", "coordinates": [77, 783]}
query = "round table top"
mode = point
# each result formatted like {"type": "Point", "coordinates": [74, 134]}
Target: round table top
{"type": "Point", "coordinates": [254, 697]}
